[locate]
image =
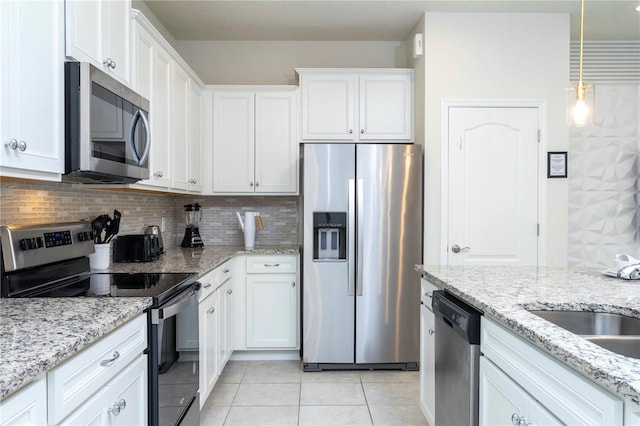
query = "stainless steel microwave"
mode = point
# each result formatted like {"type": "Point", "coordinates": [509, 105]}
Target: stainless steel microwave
{"type": "Point", "coordinates": [107, 134]}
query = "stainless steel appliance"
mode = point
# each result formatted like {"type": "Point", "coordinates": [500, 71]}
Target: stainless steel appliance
{"type": "Point", "coordinates": [192, 218]}
{"type": "Point", "coordinates": [51, 261]}
{"type": "Point", "coordinates": [457, 358]}
{"type": "Point", "coordinates": [107, 133]}
{"type": "Point", "coordinates": [136, 248]}
{"type": "Point", "coordinates": [362, 237]}
{"type": "Point", "coordinates": [155, 230]}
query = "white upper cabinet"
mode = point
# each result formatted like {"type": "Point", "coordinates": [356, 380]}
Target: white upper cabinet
{"type": "Point", "coordinates": [354, 105]}
{"type": "Point", "coordinates": [179, 120]}
{"type": "Point", "coordinates": [255, 148]}
{"type": "Point", "coordinates": [97, 31]}
{"type": "Point", "coordinates": [32, 89]}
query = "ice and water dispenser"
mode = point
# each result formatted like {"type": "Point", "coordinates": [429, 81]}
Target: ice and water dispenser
{"type": "Point", "coordinates": [329, 236]}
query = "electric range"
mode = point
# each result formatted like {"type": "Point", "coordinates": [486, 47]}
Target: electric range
{"type": "Point", "coordinates": [50, 260]}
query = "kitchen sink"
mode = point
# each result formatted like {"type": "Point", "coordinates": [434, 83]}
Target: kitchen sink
{"type": "Point", "coordinates": [592, 323]}
{"type": "Point", "coordinates": [623, 345]}
{"type": "Point", "coordinates": [614, 332]}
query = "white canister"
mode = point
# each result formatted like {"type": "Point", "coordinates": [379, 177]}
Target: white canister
{"type": "Point", "coordinates": [249, 230]}
{"type": "Point", "coordinates": [101, 259]}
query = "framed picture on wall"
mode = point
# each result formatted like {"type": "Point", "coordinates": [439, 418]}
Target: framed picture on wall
{"type": "Point", "coordinates": [557, 164]}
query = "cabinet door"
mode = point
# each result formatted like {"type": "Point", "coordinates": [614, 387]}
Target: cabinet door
{"type": "Point", "coordinates": [194, 166]}
{"type": "Point", "coordinates": [32, 88]}
{"type": "Point", "coordinates": [179, 122]}
{"type": "Point", "coordinates": [386, 107]}
{"type": "Point", "coordinates": [233, 141]}
{"type": "Point", "coordinates": [276, 147]}
{"type": "Point", "coordinates": [501, 399]}
{"type": "Point", "coordinates": [142, 61]}
{"type": "Point", "coordinates": [26, 407]}
{"type": "Point", "coordinates": [160, 119]}
{"type": "Point", "coordinates": [84, 23]}
{"type": "Point", "coordinates": [427, 364]}
{"type": "Point", "coordinates": [116, 36]}
{"type": "Point", "coordinates": [271, 311]}
{"type": "Point", "coordinates": [225, 323]}
{"type": "Point", "coordinates": [208, 345]}
{"type": "Point", "coordinates": [328, 107]}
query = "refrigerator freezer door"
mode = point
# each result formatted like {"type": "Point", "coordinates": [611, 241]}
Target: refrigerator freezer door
{"type": "Point", "coordinates": [328, 309]}
{"type": "Point", "coordinates": [390, 226]}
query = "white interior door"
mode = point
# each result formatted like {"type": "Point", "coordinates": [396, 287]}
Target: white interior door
{"type": "Point", "coordinates": [493, 186]}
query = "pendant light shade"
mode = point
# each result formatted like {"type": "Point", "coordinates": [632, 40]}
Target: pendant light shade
{"type": "Point", "coordinates": [580, 98]}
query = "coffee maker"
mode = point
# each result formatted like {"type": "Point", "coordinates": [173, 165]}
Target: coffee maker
{"type": "Point", "coordinates": [192, 218]}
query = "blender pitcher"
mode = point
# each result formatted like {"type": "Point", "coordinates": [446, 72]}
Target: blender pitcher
{"type": "Point", "coordinates": [192, 218]}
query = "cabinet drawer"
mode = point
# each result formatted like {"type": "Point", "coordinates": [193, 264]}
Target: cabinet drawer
{"type": "Point", "coordinates": [570, 397]}
{"type": "Point", "coordinates": [214, 279]}
{"type": "Point", "coordinates": [73, 381]}
{"type": "Point", "coordinates": [257, 264]}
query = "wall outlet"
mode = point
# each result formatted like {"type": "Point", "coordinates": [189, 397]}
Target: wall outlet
{"type": "Point", "coordinates": [163, 224]}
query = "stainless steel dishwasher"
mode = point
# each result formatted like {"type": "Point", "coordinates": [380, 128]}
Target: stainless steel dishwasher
{"type": "Point", "coordinates": [457, 358]}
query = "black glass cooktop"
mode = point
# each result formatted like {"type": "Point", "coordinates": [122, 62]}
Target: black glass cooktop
{"type": "Point", "coordinates": [159, 286]}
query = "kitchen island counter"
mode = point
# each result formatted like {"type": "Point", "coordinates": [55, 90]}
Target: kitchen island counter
{"type": "Point", "coordinates": [504, 294]}
{"type": "Point", "coordinates": [200, 260]}
{"type": "Point", "coordinates": [38, 334]}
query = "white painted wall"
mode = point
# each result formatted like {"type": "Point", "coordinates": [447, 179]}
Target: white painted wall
{"type": "Point", "coordinates": [273, 62]}
{"type": "Point", "coordinates": [496, 56]}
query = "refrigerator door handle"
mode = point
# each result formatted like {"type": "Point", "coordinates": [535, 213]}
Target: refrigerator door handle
{"type": "Point", "coordinates": [351, 220]}
{"type": "Point", "coordinates": [360, 235]}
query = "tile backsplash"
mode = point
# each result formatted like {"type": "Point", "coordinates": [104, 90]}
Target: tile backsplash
{"type": "Point", "coordinates": [25, 203]}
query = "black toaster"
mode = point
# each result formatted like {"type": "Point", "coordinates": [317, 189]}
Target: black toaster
{"type": "Point", "coordinates": [136, 248]}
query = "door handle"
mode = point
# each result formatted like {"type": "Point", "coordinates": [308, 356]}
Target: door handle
{"type": "Point", "coordinates": [359, 236]}
{"type": "Point", "coordinates": [457, 249]}
{"type": "Point", "coordinates": [351, 243]}
{"type": "Point", "coordinates": [139, 115]}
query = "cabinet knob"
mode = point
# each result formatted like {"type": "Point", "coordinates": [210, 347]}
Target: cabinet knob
{"type": "Point", "coordinates": [350, 131]}
{"type": "Point", "coordinates": [110, 63]}
{"type": "Point", "coordinates": [118, 406]}
{"type": "Point", "coordinates": [251, 183]}
{"type": "Point", "coordinates": [158, 174]}
{"type": "Point", "coordinates": [106, 362]}
{"type": "Point", "coordinates": [211, 310]}
{"type": "Point", "coordinates": [207, 285]}
{"type": "Point", "coordinates": [257, 183]}
{"type": "Point", "coordinates": [293, 284]}
{"type": "Point", "coordinates": [12, 144]}
{"type": "Point", "coordinates": [362, 131]}
{"type": "Point", "coordinates": [517, 420]}
{"type": "Point", "coordinates": [22, 146]}
{"type": "Point", "coordinates": [229, 291]}
{"type": "Point", "coordinates": [431, 332]}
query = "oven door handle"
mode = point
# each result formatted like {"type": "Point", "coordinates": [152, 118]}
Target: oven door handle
{"type": "Point", "coordinates": [179, 305]}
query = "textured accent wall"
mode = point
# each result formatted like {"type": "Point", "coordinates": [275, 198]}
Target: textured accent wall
{"type": "Point", "coordinates": [604, 180]}
{"type": "Point", "coordinates": [27, 203]}
{"type": "Point", "coordinates": [42, 202]}
{"type": "Point", "coordinates": [220, 226]}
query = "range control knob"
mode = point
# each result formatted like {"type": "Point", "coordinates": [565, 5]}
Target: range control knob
{"type": "Point", "coordinates": [81, 236]}
{"type": "Point", "coordinates": [31, 243]}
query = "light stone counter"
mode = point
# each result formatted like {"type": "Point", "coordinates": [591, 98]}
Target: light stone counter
{"type": "Point", "coordinates": [200, 260]}
{"type": "Point", "coordinates": [38, 334]}
{"type": "Point", "coordinates": [505, 293]}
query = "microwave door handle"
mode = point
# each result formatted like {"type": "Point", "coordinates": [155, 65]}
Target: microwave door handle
{"type": "Point", "coordinates": [132, 133]}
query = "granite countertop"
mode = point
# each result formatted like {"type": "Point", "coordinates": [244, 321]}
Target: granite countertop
{"type": "Point", "coordinates": [38, 334]}
{"type": "Point", "coordinates": [200, 260]}
{"type": "Point", "coordinates": [505, 293]}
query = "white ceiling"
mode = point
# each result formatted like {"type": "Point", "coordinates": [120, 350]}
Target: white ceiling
{"type": "Point", "coordinates": [361, 20]}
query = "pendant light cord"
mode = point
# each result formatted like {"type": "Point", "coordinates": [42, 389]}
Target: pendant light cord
{"type": "Point", "coordinates": [581, 39]}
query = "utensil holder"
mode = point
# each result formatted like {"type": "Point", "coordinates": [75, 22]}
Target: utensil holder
{"type": "Point", "coordinates": [101, 259]}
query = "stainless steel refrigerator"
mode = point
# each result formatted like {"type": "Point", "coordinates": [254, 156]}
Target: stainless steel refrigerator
{"type": "Point", "coordinates": [362, 226]}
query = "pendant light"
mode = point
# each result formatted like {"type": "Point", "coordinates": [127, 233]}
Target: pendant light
{"type": "Point", "coordinates": [580, 98]}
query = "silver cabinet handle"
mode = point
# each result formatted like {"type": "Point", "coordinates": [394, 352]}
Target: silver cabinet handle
{"type": "Point", "coordinates": [431, 332]}
{"type": "Point", "coordinates": [229, 291]}
{"type": "Point", "coordinates": [207, 285]}
{"type": "Point", "coordinates": [271, 265]}
{"type": "Point", "coordinates": [226, 271]}
{"type": "Point", "coordinates": [22, 146]}
{"type": "Point", "coordinates": [118, 406]}
{"type": "Point", "coordinates": [106, 362]}
{"type": "Point", "coordinates": [211, 310]}
{"type": "Point", "coordinates": [457, 249]}
{"type": "Point", "coordinates": [12, 144]}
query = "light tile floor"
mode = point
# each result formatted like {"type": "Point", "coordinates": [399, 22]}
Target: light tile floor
{"type": "Point", "coordinates": [279, 393]}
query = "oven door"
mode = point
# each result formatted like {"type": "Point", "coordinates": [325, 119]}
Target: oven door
{"type": "Point", "coordinates": [173, 382]}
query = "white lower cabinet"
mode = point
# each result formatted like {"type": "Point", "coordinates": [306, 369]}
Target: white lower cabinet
{"type": "Point", "coordinates": [271, 311]}
{"type": "Point", "coordinates": [208, 324]}
{"type": "Point", "coordinates": [518, 378]}
{"type": "Point", "coordinates": [225, 325]}
{"type": "Point", "coordinates": [122, 401]}
{"type": "Point", "coordinates": [427, 352]}
{"type": "Point", "coordinates": [27, 407]}
{"type": "Point", "coordinates": [503, 402]}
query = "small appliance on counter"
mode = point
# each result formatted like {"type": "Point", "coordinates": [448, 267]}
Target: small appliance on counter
{"type": "Point", "coordinates": [136, 248]}
{"type": "Point", "coordinates": [192, 218]}
{"type": "Point", "coordinates": [155, 230]}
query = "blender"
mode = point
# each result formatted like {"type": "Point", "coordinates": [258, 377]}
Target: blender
{"type": "Point", "coordinates": [192, 218]}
